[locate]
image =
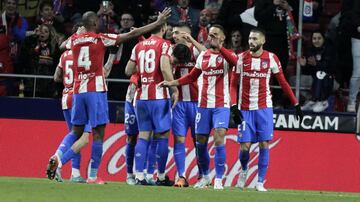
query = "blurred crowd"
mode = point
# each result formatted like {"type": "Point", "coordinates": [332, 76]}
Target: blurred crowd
{"type": "Point", "coordinates": [330, 61]}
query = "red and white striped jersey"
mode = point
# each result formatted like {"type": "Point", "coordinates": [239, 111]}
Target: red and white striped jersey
{"type": "Point", "coordinates": [188, 92]}
{"type": "Point", "coordinates": [213, 82]}
{"type": "Point", "coordinates": [146, 54]}
{"type": "Point", "coordinates": [88, 50]}
{"type": "Point", "coordinates": [254, 84]}
{"type": "Point", "coordinates": [66, 65]}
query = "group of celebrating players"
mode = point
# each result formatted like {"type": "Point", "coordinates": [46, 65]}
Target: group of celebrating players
{"type": "Point", "coordinates": [177, 86]}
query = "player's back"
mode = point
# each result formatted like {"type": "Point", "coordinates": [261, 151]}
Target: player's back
{"type": "Point", "coordinates": [66, 65]}
{"type": "Point", "coordinates": [255, 79]}
{"type": "Point", "coordinates": [88, 51]}
{"type": "Point", "coordinates": [146, 54]}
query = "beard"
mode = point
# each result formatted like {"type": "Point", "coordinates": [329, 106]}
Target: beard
{"type": "Point", "coordinates": [255, 48]}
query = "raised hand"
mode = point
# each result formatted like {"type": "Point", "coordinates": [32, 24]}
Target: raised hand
{"type": "Point", "coordinates": [164, 15]}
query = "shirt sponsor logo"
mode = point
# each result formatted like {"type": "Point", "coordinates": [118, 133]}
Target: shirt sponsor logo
{"type": "Point", "coordinates": [255, 74]}
{"type": "Point", "coordinates": [214, 72]}
{"type": "Point", "coordinates": [84, 76]}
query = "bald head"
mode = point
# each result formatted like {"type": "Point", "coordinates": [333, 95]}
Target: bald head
{"type": "Point", "coordinates": [90, 20]}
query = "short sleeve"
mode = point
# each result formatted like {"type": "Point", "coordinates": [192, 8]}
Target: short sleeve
{"type": "Point", "coordinates": [239, 64]}
{"type": "Point", "coordinates": [68, 44]}
{"type": "Point", "coordinates": [109, 39]}
{"type": "Point", "coordinates": [195, 52]}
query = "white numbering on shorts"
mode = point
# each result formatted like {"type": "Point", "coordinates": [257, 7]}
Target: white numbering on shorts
{"type": "Point", "coordinates": [84, 58]}
{"type": "Point", "coordinates": [130, 118]}
{"type": "Point", "coordinates": [147, 60]}
{"type": "Point", "coordinates": [198, 117]}
{"type": "Point", "coordinates": [69, 75]}
{"type": "Point", "coordinates": [242, 126]}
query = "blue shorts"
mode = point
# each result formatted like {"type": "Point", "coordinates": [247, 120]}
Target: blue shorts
{"type": "Point", "coordinates": [67, 116]}
{"type": "Point", "coordinates": [209, 118]}
{"type": "Point", "coordinates": [183, 118]}
{"type": "Point", "coordinates": [131, 127]}
{"type": "Point", "coordinates": [257, 125]}
{"type": "Point", "coordinates": [90, 106]}
{"type": "Point", "coordinates": [153, 115]}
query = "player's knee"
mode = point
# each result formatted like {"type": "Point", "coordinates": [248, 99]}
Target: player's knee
{"type": "Point", "coordinates": [85, 139]}
{"type": "Point", "coordinates": [264, 144]}
{"type": "Point", "coordinates": [179, 139]}
{"type": "Point", "coordinates": [132, 139]}
{"type": "Point", "coordinates": [245, 146]}
{"type": "Point", "coordinates": [164, 134]}
{"type": "Point", "coordinates": [202, 139]}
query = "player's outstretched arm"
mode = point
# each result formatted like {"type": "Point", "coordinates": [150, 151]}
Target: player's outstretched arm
{"type": "Point", "coordinates": [110, 61]}
{"type": "Point", "coordinates": [130, 68]}
{"type": "Point", "coordinates": [58, 75]}
{"type": "Point", "coordinates": [145, 29]}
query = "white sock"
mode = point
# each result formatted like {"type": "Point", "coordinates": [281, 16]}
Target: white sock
{"type": "Point", "coordinates": [139, 176]}
{"type": "Point", "coordinates": [161, 176]}
{"type": "Point", "coordinates": [75, 172]}
{"type": "Point", "coordinates": [130, 175]}
{"type": "Point", "coordinates": [149, 176]}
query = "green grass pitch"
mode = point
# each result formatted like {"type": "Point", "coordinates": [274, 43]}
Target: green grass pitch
{"type": "Point", "coordinates": [38, 190]}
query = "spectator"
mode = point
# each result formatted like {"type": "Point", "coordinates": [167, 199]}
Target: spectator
{"type": "Point", "coordinates": [229, 14]}
{"type": "Point", "coordinates": [123, 55]}
{"type": "Point", "coordinates": [319, 63]}
{"type": "Point", "coordinates": [108, 18]}
{"type": "Point", "coordinates": [204, 23]}
{"type": "Point", "coordinates": [272, 17]}
{"type": "Point", "coordinates": [355, 49]}
{"type": "Point", "coordinates": [12, 32]}
{"type": "Point", "coordinates": [181, 12]}
{"type": "Point", "coordinates": [40, 53]}
{"type": "Point", "coordinates": [47, 16]}
{"type": "Point", "coordinates": [236, 43]}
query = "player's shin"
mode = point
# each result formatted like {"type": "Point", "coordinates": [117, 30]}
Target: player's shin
{"type": "Point", "coordinates": [220, 158]}
{"type": "Point", "coordinates": [66, 143]}
{"type": "Point", "coordinates": [203, 157]}
{"type": "Point", "coordinates": [140, 157]}
{"type": "Point", "coordinates": [75, 165]}
{"type": "Point", "coordinates": [244, 158]}
{"type": "Point", "coordinates": [96, 154]}
{"type": "Point", "coordinates": [161, 156]}
{"type": "Point", "coordinates": [129, 152]}
{"type": "Point", "coordinates": [263, 163]}
{"type": "Point", "coordinates": [151, 160]}
{"type": "Point", "coordinates": [179, 156]}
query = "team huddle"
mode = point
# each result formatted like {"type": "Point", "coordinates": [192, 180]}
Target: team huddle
{"type": "Point", "coordinates": [173, 87]}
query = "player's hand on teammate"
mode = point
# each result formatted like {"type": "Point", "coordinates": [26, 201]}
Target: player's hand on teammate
{"type": "Point", "coordinates": [215, 42]}
{"type": "Point", "coordinates": [80, 30]}
{"type": "Point", "coordinates": [164, 15]}
{"type": "Point", "coordinates": [299, 113]}
{"type": "Point", "coordinates": [237, 117]}
{"type": "Point", "coordinates": [186, 36]}
{"type": "Point", "coordinates": [165, 84]}
{"type": "Point", "coordinates": [174, 98]}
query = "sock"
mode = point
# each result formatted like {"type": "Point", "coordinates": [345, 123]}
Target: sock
{"type": "Point", "coordinates": [66, 143]}
{"type": "Point", "coordinates": [129, 153]}
{"type": "Point", "coordinates": [179, 156]}
{"type": "Point", "coordinates": [263, 164]}
{"type": "Point", "coordinates": [151, 157]}
{"type": "Point", "coordinates": [162, 152]}
{"type": "Point", "coordinates": [75, 172]}
{"type": "Point", "coordinates": [161, 176]}
{"type": "Point", "coordinates": [197, 160]}
{"type": "Point", "coordinates": [203, 157]}
{"type": "Point", "coordinates": [244, 159]}
{"type": "Point", "coordinates": [220, 157]}
{"type": "Point", "coordinates": [96, 154]}
{"type": "Point", "coordinates": [69, 154]}
{"type": "Point", "coordinates": [75, 163]}
{"type": "Point", "coordinates": [140, 157]}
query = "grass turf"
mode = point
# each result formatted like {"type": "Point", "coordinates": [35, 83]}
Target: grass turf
{"type": "Point", "coordinates": [34, 189]}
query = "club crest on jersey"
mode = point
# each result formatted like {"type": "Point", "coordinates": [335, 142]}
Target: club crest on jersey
{"type": "Point", "coordinates": [264, 64]}
{"type": "Point", "coordinates": [219, 59]}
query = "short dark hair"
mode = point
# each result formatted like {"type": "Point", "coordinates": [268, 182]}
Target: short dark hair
{"type": "Point", "coordinates": [219, 27]}
{"type": "Point", "coordinates": [182, 53]}
{"type": "Point", "coordinates": [258, 30]}
{"type": "Point", "coordinates": [318, 31]}
{"type": "Point", "coordinates": [182, 24]}
{"type": "Point", "coordinates": [46, 3]}
{"type": "Point", "coordinates": [89, 18]}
